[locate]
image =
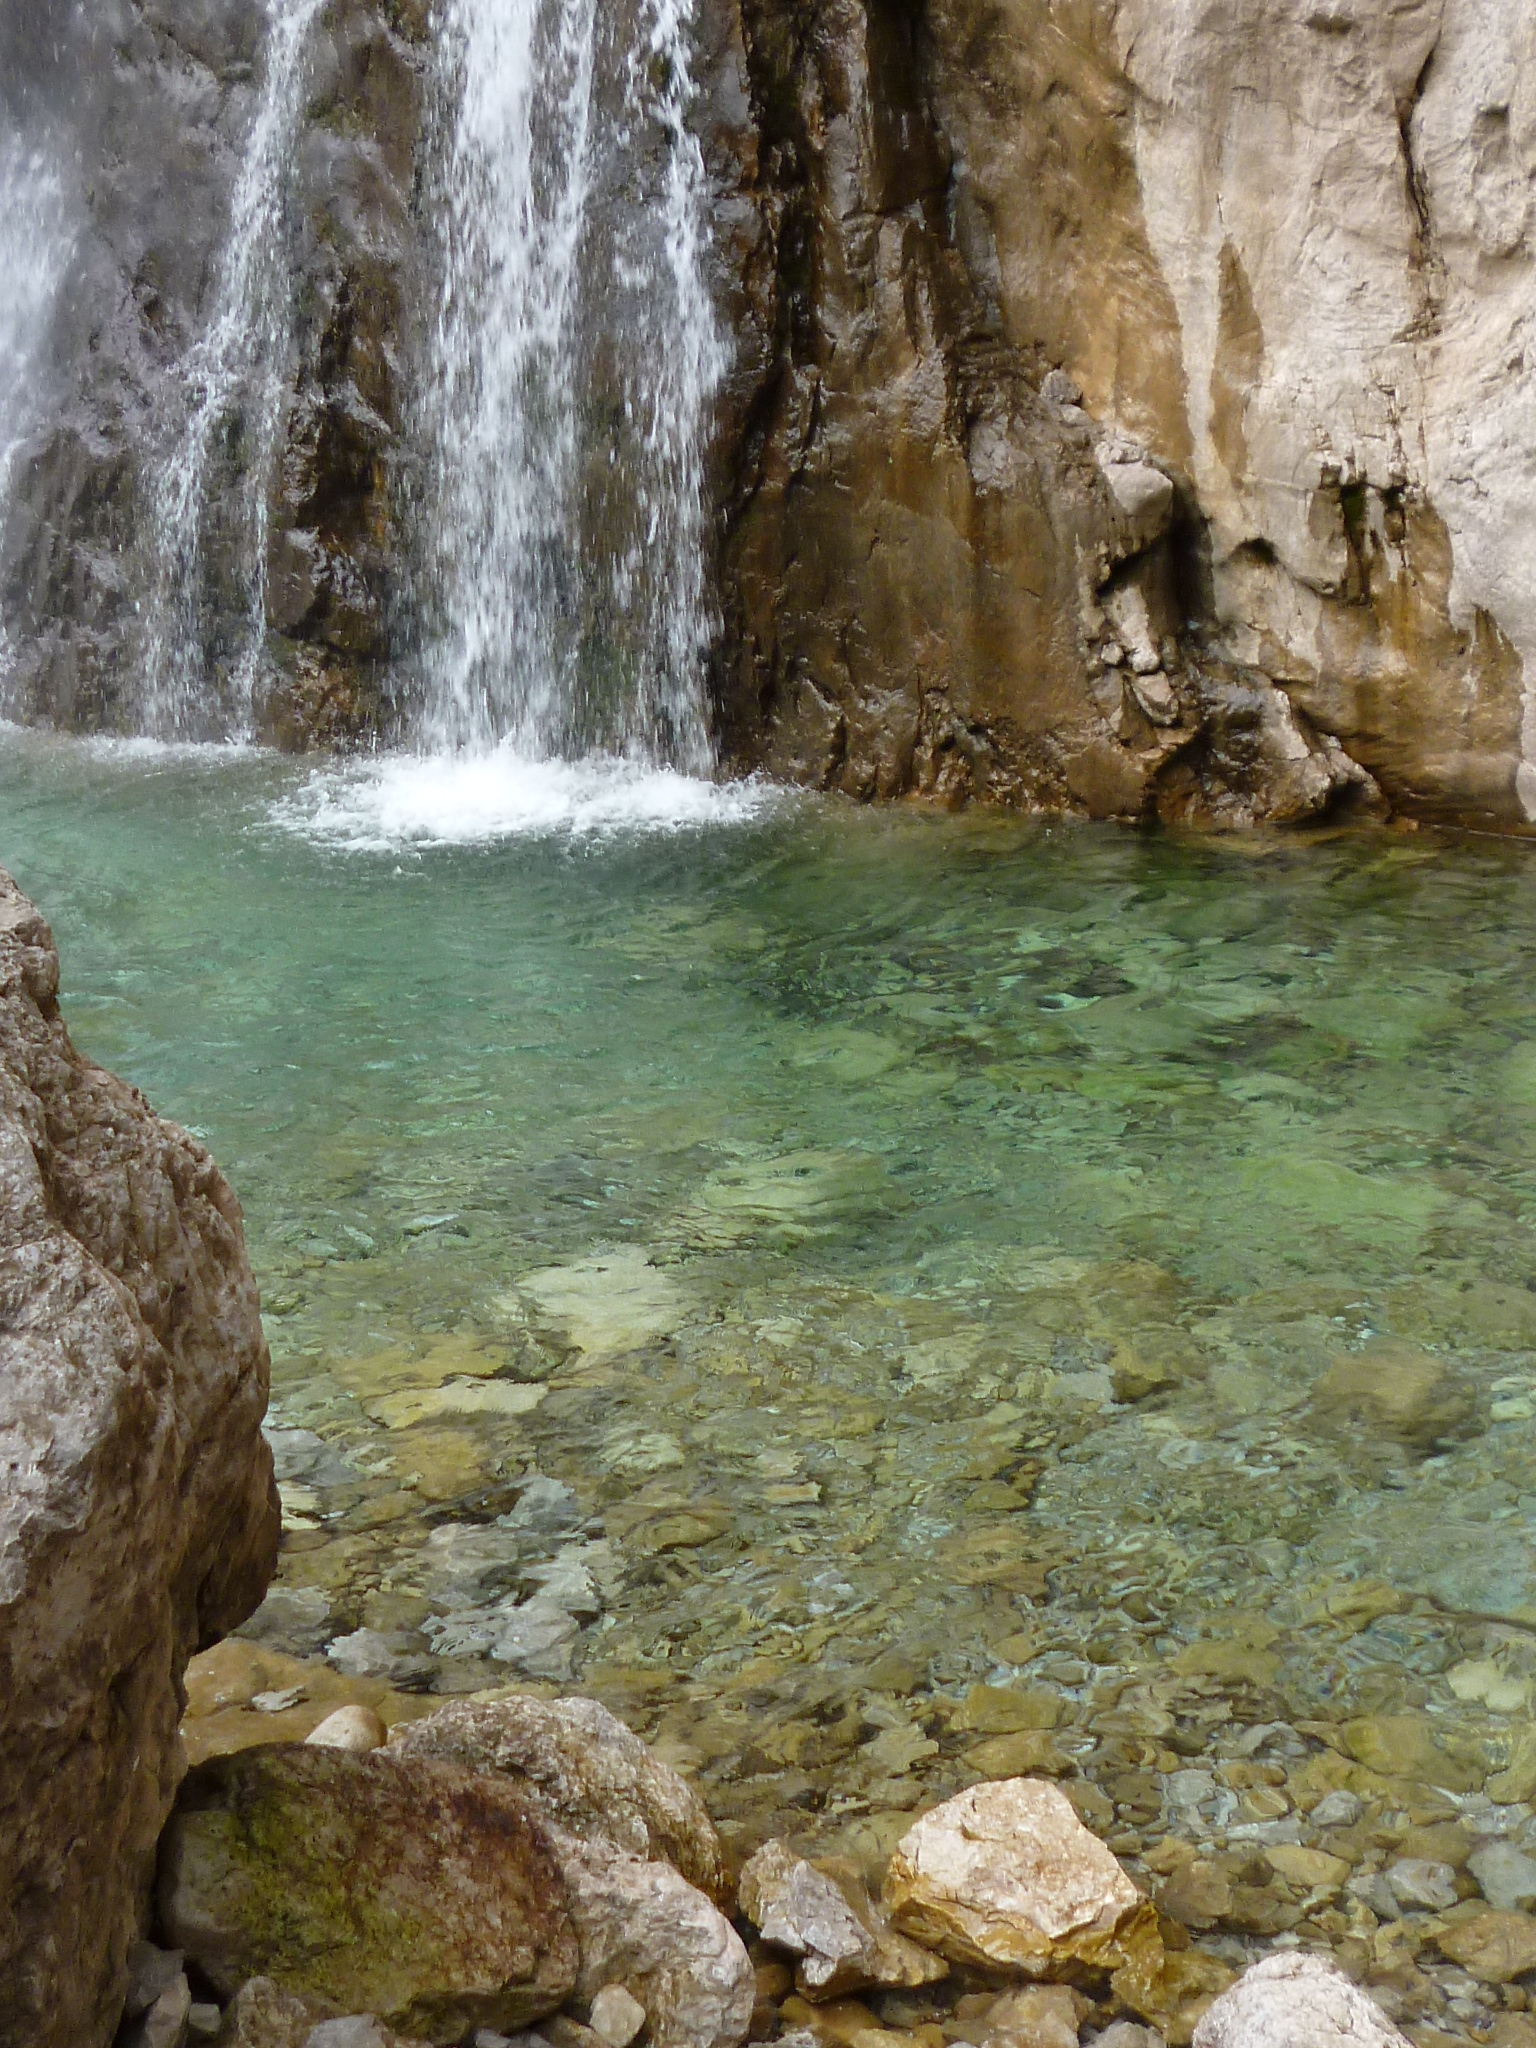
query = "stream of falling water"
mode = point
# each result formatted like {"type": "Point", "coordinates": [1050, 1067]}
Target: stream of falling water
{"type": "Point", "coordinates": [209, 494]}
{"type": "Point", "coordinates": [35, 246]}
{"type": "Point", "coordinates": [575, 359]}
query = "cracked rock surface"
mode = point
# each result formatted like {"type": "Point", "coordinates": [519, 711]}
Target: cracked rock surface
{"type": "Point", "coordinates": [138, 1513]}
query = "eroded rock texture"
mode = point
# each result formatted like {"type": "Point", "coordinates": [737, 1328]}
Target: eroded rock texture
{"type": "Point", "coordinates": [1284, 253]}
{"type": "Point", "coordinates": [138, 1513]}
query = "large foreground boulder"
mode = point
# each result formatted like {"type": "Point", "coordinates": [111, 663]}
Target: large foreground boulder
{"type": "Point", "coordinates": [583, 1769]}
{"type": "Point", "coordinates": [640, 1858]}
{"type": "Point", "coordinates": [427, 1895]}
{"type": "Point", "coordinates": [138, 1515]}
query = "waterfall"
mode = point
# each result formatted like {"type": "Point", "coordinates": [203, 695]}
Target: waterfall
{"type": "Point", "coordinates": [208, 497]}
{"type": "Point", "coordinates": [35, 247]}
{"type": "Point", "coordinates": [575, 360]}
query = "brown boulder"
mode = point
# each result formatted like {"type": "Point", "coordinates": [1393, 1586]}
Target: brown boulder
{"type": "Point", "coordinates": [138, 1517]}
{"type": "Point", "coordinates": [583, 1769]}
{"type": "Point", "coordinates": [427, 1895]}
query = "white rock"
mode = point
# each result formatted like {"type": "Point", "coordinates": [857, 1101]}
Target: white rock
{"type": "Point", "coordinates": [1505, 1875]}
{"type": "Point", "coordinates": [1007, 1874]}
{"type": "Point", "coordinates": [792, 1905]}
{"type": "Point", "coordinates": [356, 1728]}
{"type": "Point", "coordinates": [843, 1940]}
{"type": "Point", "coordinates": [616, 2016]}
{"type": "Point", "coordinates": [643, 1926]}
{"type": "Point", "coordinates": [1142, 492]}
{"type": "Point", "coordinates": [1295, 2001]}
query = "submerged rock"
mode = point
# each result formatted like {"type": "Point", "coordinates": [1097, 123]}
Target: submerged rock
{"type": "Point", "coordinates": [1494, 1947]}
{"type": "Point", "coordinates": [1295, 2001]}
{"type": "Point", "coordinates": [138, 1515]}
{"type": "Point", "coordinates": [427, 1895]}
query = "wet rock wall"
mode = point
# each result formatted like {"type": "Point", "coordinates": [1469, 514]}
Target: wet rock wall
{"type": "Point", "coordinates": [144, 110]}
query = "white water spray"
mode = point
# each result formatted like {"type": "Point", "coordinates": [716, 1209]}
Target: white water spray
{"type": "Point", "coordinates": [226, 437]}
{"type": "Point", "coordinates": [576, 359]}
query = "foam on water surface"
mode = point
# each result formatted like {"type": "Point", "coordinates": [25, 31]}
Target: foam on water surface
{"type": "Point", "coordinates": [421, 800]}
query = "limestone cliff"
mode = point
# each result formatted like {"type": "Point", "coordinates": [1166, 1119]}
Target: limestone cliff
{"type": "Point", "coordinates": [1284, 255]}
{"type": "Point", "coordinates": [138, 1512]}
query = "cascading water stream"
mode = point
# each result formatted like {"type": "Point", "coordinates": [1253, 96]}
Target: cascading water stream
{"type": "Point", "coordinates": [218, 465]}
{"type": "Point", "coordinates": [575, 359]}
{"type": "Point", "coordinates": [35, 248]}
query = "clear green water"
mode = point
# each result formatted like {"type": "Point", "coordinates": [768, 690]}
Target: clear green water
{"type": "Point", "coordinates": [830, 1172]}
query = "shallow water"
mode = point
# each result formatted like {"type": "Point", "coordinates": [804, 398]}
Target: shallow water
{"type": "Point", "coordinates": [784, 1267]}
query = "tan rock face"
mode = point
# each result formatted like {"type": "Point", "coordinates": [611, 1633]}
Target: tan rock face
{"type": "Point", "coordinates": [138, 1519]}
{"type": "Point", "coordinates": [1286, 257]}
{"type": "Point", "coordinates": [583, 1769]}
{"type": "Point", "coordinates": [1007, 1875]}
{"type": "Point", "coordinates": [429, 1896]}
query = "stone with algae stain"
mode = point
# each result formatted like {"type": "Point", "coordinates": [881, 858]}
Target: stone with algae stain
{"type": "Point", "coordinates": [420, 1892]}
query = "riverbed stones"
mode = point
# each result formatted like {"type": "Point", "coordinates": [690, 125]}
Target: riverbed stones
{"type": "Point", "coordinates": [1007, 1875]}
{"type": "Point", "coordinates": [585, 1770]}
{"type": "Point", "coordinates": [138, 1515]}
{"type": "Point", "coordinates": [1395, 1390]}
{"type": "Point", "coordinates": [427, 1895]}
{"type": "Point", "coordinates": [1494, 1947]}
{"type": "Point", "coordinates": [1295, 2001]}
{"type": "Point", "coordinates": [843, 1941]}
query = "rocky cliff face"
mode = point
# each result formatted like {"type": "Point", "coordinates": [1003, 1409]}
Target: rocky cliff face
{"type": "Point", "coordinates": [1132, 406]}
{"type": "Point", "coordinates": [1283, 257]}
{"type": "Point", "coordinates": [138, 1513]}
{"type": "Point", "coordinates": [147, 107]}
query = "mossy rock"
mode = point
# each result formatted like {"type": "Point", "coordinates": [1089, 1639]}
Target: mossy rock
{"type": "Point", "coordinates": [414, 1890]}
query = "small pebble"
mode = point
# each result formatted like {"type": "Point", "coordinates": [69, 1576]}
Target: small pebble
{"type": "Point", "coordinates": [1416, 1882]}
{"type": "Point", "coordinates": [1337, 1810]}
{"type": "Point", "coordinates": [358, 1729]}
{"type": "Point", "coordinates": [616, 2016]}
{"type": "Point", "coordinates": [204, 2021]}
